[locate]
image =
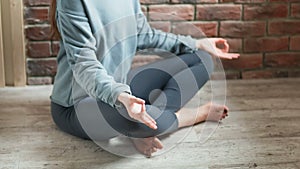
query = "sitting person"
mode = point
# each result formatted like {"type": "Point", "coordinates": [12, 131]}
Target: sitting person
{"type": "Point", "coordinates": [89, 70]}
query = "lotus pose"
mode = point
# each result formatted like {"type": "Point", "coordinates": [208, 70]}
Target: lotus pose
{"type": "Point", "coordinates": [98, 40]}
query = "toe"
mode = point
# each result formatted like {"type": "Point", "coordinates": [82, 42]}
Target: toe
{"type": "Point", "coordinates": [157, 143]}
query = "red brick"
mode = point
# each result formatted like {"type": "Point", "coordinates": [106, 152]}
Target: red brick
{"type": "Point", "coordinates": [234, 44]}
{"type": "Point", "coordinates": [219, 12]}
{"type": "Point", "coordinates": [45, 67]}
{"type": "Point", "coordinates": [266, 44]}
{"type": "Point", "coordinates": [265, 11]}
{"type": "Point", "coordinates": [295, 43]}
{"type": "Point", "coordinates": [242, 29]}
{"type": "Point", "coordinates": [257, 74]}
{"type": "Point", "coordinates": [141, 60]}
{"type": "Point", "coordinates": [294, 73]}
{"type": "Point", "coordinates": [206, 1]}
{"type": "Point", "coordinates": [36, 15]}
{"type": "Point", "coordinates": [39, 80]}
{"type": "Point", "coordinates": [244, 1]}
{"type": "Point", "coordinates": [38, 33]}
{"type": "Point", "coordinates": [144, 9]}
{"type": "Point", "coordinates": [246, 61]}
{"type": "Point", "coordinates": [283, 0]}
{"type": "Point", "coordinates": [171, 12]}
{"type": "Point", "coordinates": [280, 73]}
{"type": "Point", "coordinates": [164, 26]}
{"type": "Point", "coordinates": [54, 48]}
{"type": "Point", "coordinates": [295, 10]}
{"type": "Point", "coordinates": [153, 1]}
{"type": "Point", "coordinates": [265, 74]}
{"type": "Point", "coordinates": [232, 74]}
{"type": "Point", "coordinates": [288, 59]}
{"type": "Point", "coordinates": [194, 1]}
{"type": "Point", "coordinates": [195, 29]}
{"type": "Point", "coordinates": [284, 27]}
{"type": "Point", "coordinates": [37, 2]}
{"type": "Point", "coordinates": [38, 49]}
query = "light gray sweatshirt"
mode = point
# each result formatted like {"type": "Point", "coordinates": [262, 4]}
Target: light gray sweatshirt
{"type": "Point", "coordinates": [98, 41]}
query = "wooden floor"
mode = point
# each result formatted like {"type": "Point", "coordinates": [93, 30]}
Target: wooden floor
{"type": "Point", "coordinates": [262, 131]}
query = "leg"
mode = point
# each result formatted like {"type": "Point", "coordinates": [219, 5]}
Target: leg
{"type": "Point", "coordinates": [156, 75]}
{"type": "Point", "coordinates": [177, 87]}
{"type": "Point", "coordinates": [169, 73]}
{"type": "Point", "coordinates": [66, 119]}
{"type": "Point", "coordinates": [167, 119]}
{"type": "Point", "coordinates": [178, 79]}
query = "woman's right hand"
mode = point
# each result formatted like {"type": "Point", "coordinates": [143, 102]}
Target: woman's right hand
{"type": "Point", "coordinates": [136, 109]}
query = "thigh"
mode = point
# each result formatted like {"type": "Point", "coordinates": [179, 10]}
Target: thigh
{"type": "Point", "coordinates": [101, 121]}
{"type": "Point", "coordinates": [66, 119]}
{"type": "Point", "coordinates": [146, 79]}
{"type": "Point", "coordinates": [147, 82]}
{"type": "Point", "coordinates": [119, 121]}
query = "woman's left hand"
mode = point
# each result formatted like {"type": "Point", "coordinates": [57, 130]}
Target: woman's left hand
{"type": "Point", "coordinates": [216, 47]}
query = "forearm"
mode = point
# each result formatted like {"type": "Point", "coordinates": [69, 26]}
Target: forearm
{"type": "Point", "coordinates": [152, 38]}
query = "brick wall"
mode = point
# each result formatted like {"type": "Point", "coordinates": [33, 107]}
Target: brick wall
{"type": "Point", "coordinates": [265, 32]}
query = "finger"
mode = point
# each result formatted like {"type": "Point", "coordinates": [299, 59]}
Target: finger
{"type": "Point", "coordinates": [229, 56]}
{"type": "Point", "coordinates": [218, 40]}
{"type": "Point", "coordinates": [223, 42]}
{"type": "Point", "coordinates": [219, 109]}
{"type": "Point", "coordinates": [148, 121]}
{"type": "Point", "coordinates": [149, 117]}
{"type": "Point", "coordinates": [137, 100]}
{"type": "Point", "coordinates": [144, 108]}
{"type": "Point", "coordinates": [157, 143]}
{"type": "Point", "coordinates": [149, 124]}
{"type": "Point", "coordinates": [235, 55]}
{"type": "Point", "coordinates": [226, 49]}
{"type": "Point", "coordinates": [226, 109]}
{"type": "Point", "coordinates": [147, 153]}
{"type": "Point", "coordinates": [222, 45]}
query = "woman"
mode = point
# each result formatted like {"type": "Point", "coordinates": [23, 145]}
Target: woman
{"type": "Point", "coordinates": [97, 42]}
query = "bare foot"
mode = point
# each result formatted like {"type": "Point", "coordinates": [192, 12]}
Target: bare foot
{"type": "Point", "coordinates": [212, 112]}
{"type": "Point", "coordinates": [147, 146]}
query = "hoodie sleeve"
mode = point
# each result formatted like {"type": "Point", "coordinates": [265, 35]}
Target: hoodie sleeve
{"type": "Point", "coordinates": [80, 46]}
{"type": "Point", "coordinates": [152, 38]}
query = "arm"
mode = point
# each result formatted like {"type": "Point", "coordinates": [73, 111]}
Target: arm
{"type": "Point", "coordinates": [152, 38]}
{"type": "Point", "coordinates": [88, 72]}
{"type": "Point", "coordinates": [80, 46]}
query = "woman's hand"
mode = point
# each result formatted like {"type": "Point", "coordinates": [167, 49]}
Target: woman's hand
{"type": "Point", "coordinates": [136, 109]}
{"type": "Point", "coordinates": [216, 47]}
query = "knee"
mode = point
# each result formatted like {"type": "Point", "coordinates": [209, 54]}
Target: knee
{"type": "Point", "coordinates": [166, 119]}
{"type": "Point", "coordinates": [207, 60]}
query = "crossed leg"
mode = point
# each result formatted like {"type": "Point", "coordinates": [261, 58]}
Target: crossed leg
{"type": "Point", "coordinates": [168, 85]}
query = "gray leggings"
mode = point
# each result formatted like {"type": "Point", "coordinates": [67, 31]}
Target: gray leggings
{"type": "Point", "coordinates": [165, 85]}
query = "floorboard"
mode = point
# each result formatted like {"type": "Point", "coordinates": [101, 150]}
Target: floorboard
{"type": "Point", "coordinates": [262, 131]}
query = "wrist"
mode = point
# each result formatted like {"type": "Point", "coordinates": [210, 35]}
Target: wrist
{"type": "Point", "coordinates": [123, 97]}
{"type": "Point", "coordinates": [199, 44]}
